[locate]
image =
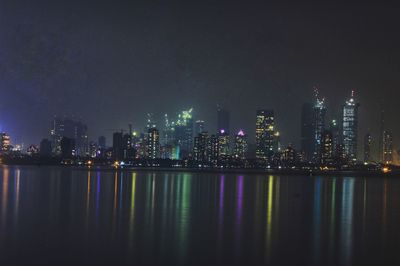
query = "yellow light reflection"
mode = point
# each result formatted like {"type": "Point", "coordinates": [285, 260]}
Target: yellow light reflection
{"type": "Point", "coordinates": [269, 215]}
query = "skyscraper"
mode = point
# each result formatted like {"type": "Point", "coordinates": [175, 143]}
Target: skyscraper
{"type": "Point", "coordinates": [223, 119]}
{"type": "Point", "coordinates": [387, 147]}
{"type": "Point", "coordinates": [184, 132]}
{"type": "Point", "coordinates": [240, 148]}
{"type": "Point", "coordinates": [265, 125]}
{"type": "Point", "coordinates": [319, 112]}
{"type": "Point", "coordinates": [350, 128]}
{"type": "Point", "coordinates": [223, 145]}
{"type": "Point", "coordinates": [367, 147]}
{"type": "Point", "coordinates": [200, 147]}
{"type": "Point", "coordinates": [153, 144]}
{"type": "Point", "coordinates": [213, 150]}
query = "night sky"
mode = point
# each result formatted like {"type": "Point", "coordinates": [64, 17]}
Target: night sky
{"type": "Point", "coordinates": [111, 63]}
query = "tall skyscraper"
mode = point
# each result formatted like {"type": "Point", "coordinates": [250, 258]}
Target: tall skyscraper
{"type": "Point", "coordinates": [367, 147]}
{"type": "Point", "coordinates": [200, 147]}
{"type": "Point", "coordinates": [350, 128]}
{"type": "Point", "coordinates": [387, 147]}
{"type": "Point", "coordinates": [240, 148]}
{"type": "Point", "coordinates": [184, 132]}
{"type": "Point", "coordinates": [265, 126]}
{"type": "Point", "coordinates": [223, 145]}
{"type": "Point", "coordinates": [223, 119]}
{"type": "Point", "coordinates": [307, 131]}
{"type": "Point", "coordinates": [153, 144]}
{"type": "Point", "coordinates": [335, 131]}
{"type": "Point", "coordinates": [319, 112]}
{"type": "Point", "coordinates": [69, 128]}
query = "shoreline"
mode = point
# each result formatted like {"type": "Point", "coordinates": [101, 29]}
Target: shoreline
{"type": "Point", "coordinates": [292, 172]}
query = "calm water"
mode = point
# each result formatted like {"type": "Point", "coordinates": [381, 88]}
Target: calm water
{"type": "Point", "coordinates": [62, 216]}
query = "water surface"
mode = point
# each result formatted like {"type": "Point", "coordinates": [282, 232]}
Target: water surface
{"type": "Point", "coordinates": [66, 216]}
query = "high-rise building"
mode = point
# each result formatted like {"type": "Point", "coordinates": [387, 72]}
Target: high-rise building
{"type": "Point", "coordinates": [183, 129]}
{"type": "Point", "coordinates": [327, 147]}
{"type": "Point", "coordinates": [153, 143]}
{"type": "Point", "coordinates": [335, 131]}
{"type": "Point", "coordinates": [307, 131]}
{"type": "Point", "coordinates": [69, 128]}
{"type": "Point", "coordinates": [319, 112]}
{"type": "Point", "coordinates": [387, 147]}
{"type": "Point", "coordinates": [199, 127]}
{"type": "Point", "coordinates": [240, 148]}
{"type": "Point", "coordinates": [5, 142]}
{"type": "Point", "coordinates": [367, 147]}
{"type": "Point", "coordinates": [350, 128]}
{"type": "Point", "coordinates": [223, 145]}
{"type": "Point", "coordinates": [265, 126]}
{"type": "Point", "coordinates": [223, 119]}
{"type": "Point", "coordinates": [200, 147]}
{"type": "Point", "coordinates": [213, 150]}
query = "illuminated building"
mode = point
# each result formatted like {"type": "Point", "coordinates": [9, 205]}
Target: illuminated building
{"type": "Point", "coordinates": [128, 147]}
{"type": "Point", "coordinates": [5, 142]}
{"type": "Point", "coordinates": [213, 150]}
{"type": "Point", "coordinates": [223, 119]}
{"type": "Point", "coordinates": [153, 144]}
{"type": "Point", "coordinates": [264, 134]}
{"type": "Point", "coordinates": [168, 132]}
{"type": "Point", "coordinates": [307, 131]}
{"type": "Point", "coordinates": [387, 147]}
{"type": "Point", "coordinates": [327, 147]}
{"type": "Point", "coordinates": [45, 148]}
{"type": "Point", "coordinates": [350, 128]}
{"type": "Point", "coordinates": [183, 128]}
{"type": "Point", "coordinates": [240, 148]}
{"type": "Point", "coordinates": [69, 128]}
{"type": "Point", "coordinates": [319, 112]}
{"type": "Point", "coordinates": [67, 148]}
{"type": "Point", "coordinates": [199, 127]}
{"type": "Point", "coordinates": [200, 147]}
{"type": "Point", "coordinates": [223, 145]}
{"type": "Point", "coordinates": [277, 142]}
{"type": "Point", "coordinates": [289, 155]}
{"type": "Point", "coordinates": [367, 147]}
{"type": "Point", "coordinates": [335, 130]}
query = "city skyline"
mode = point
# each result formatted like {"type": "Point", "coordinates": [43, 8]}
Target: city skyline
{"type": "Point", "coordinates": [78, 65]}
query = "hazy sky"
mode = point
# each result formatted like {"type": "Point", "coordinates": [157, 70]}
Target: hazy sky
{"type": "Point", "coordinates": [111, 63]}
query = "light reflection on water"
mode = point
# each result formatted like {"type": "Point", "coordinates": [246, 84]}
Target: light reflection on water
{"type": "Point", "coordinates": [173, 218]}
